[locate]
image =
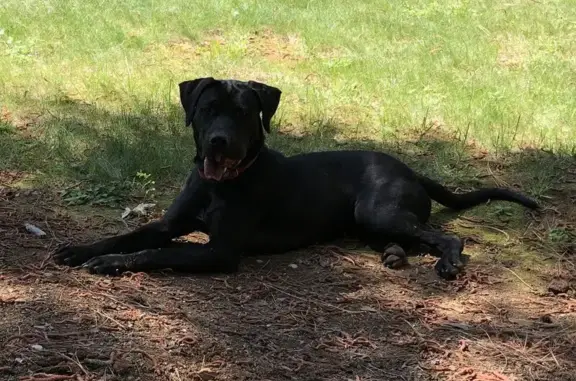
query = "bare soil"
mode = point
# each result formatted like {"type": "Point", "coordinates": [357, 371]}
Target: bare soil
{"type": "Point", "coordinates": [326, 313]}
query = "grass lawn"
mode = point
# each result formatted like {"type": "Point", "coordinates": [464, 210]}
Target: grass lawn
{"type": "Point", "coordinates": [470, 93]}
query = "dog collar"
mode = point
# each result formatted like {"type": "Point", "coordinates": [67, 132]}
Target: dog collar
{"type": "Point", "coordinates": [230, 174]}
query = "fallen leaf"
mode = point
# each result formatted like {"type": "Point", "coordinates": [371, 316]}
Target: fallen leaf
{"type": "Point", "coordinates": [34, 230]}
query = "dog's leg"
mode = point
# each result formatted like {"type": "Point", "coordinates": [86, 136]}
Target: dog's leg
{"type": "Point", "coordinates": [393, 225]}
{"type": "Point", "coordinates": [228, 235]}
{"type": "Point", "coordinates": [181, 218]}
{"type": "Point", "coordinates": [188, 257]}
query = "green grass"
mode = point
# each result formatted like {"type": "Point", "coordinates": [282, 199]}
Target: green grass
{"type": "Point", "coordinates": [88, 88]}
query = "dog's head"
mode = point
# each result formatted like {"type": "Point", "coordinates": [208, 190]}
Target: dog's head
{"type": "Point", "coordinates": [229, 118]}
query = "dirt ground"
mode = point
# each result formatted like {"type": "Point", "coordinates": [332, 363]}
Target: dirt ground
{"type": "Point", "coordinates": [326, 313]}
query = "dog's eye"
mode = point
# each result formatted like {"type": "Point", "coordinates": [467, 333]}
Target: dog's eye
{"type": "Point", "coordinates": [208, 108]}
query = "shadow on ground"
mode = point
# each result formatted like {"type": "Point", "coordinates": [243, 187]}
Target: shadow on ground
{"type": "Point", "coordinates": [325, 313]}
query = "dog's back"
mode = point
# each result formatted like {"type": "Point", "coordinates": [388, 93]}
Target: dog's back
{"type": "Point", "coordinates": [359, 169]}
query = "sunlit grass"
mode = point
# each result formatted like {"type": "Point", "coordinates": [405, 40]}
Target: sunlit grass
{"type": "Point", "coordinates": [94, 83]}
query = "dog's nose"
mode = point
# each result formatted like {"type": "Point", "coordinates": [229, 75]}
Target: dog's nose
{"type": "Point", "coordinates": [218, 141]}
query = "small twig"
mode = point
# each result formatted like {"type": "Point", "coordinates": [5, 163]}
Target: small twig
{"type": "Point", "coordinates": [319, 302]}
{"type": "Point", "coordinates": [435, 369]}
{"type": "Point", "coordinates": [521, 280]}
{"type": "Point", "coordinates": [223, 280]}
{"type": "Point", "coordinates": [520, 354]}
{"type": "Point", "coordinates": [47, 377]}
{"type": "Point", "coordinates": [22, 337]}
{"type": "Point", "coordinates": [45, 261]}
{"type": "Point", "coordinates": [498, 230]}
{"type": "Point", "coordinates": [554, 357]}
{"type": "Point", "coordinates": [75, 361]}
{"type": "Point", "coordinates": [53, 335]}
{"type": "Point", "coordinates": [49, 228]}
{"type": "Point", "coordinates": [388, 374]}
{"type": "Point", "coordinates": [411, 326]}
{"type": "Point", "coordinates": [111, 319]}
{"type": "Point", "coordinates": [74, 185]}
{"type": "Point", "coordinates": [349, 260]}
{"type": "Point", "coordinates": [499, 182]}
{"type": "Point", "coordinates": [145, 354]}
{"type": "Point", "coordinates": [99, 362]}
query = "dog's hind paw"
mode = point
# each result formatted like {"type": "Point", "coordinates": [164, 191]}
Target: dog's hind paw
{"type": "Point", "coordinates": [449, 269]}
{"type": "Point", "coordinates": [394, 257]}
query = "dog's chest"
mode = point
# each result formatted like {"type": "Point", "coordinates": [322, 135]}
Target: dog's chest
{"type": "Point", "coordinates": [292, 211]}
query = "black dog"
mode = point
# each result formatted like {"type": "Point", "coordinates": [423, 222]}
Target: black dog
{"type": "Point", "coordinates": [252, 200]}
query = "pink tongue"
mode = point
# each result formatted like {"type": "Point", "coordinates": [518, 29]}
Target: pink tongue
{"type": "Point", "coordinates": [212, 170]}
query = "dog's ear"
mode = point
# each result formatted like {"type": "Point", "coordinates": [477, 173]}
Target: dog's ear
{"type": "Point", "coordinates": [269, 100]}
{"type": "Point", "coordinates": [190, 92]}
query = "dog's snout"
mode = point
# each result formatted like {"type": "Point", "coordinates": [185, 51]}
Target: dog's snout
{"type": "Point", "coordinates": [218, 141]}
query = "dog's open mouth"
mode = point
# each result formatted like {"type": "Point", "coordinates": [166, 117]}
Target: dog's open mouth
{"type": "Point", "coordinates": [218, 167]}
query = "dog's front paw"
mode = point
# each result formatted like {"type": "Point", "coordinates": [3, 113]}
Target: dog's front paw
{"type": "Point", "coordinates": [110, 264]}
{"type": "Point", "coordinates": [73, 255]}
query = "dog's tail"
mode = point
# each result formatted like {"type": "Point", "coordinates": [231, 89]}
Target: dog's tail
{"type": "Point", "coordinates": [467, 200]}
